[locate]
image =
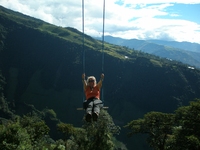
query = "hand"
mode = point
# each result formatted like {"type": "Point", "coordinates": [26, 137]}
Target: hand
{"type": "Point", "coordinates": [83, 76]}
{"type": "Point", "coordinates": [102, 76]}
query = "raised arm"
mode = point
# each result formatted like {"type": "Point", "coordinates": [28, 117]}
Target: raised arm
{"type": "Point", "coordinates": [99, 84]}
{"type": "Point", "coordinates": [84, 81]}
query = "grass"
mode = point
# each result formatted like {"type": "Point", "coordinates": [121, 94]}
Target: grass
{"type": "Point", "coordinates": [156, 62]}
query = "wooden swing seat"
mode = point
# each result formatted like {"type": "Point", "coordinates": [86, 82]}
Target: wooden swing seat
{"type": "Point", "coordinates": [84, 109]}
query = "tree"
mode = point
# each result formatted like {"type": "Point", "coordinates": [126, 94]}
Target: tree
{"type": "Point", "coordinates": [187, 134]}
{"type": "Point", "coordinates": [171, 131]}
{"type": "Point", "coordinates": [157, 125]}
{"type": "Point", "coordinates": [23, 133]}
{"type": "Point", "coordinates": [96, 135]}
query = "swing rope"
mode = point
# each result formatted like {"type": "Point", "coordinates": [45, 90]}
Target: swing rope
{"type": "Point", "coordinates": [83, 45]}
{"type": "Point", "coordinates": [102, 91]}
{"type": "Point", "coordinates": [83, 36]}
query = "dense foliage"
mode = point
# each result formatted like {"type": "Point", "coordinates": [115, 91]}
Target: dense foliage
{"type": "Point", "coordinates": [25, 133]}
{"type": "Point", "coordinates": [96, 135]}
{"type": "Point", "coordinates": [31, 132]}
{"type": "Point", "coordinates": [171, 131]}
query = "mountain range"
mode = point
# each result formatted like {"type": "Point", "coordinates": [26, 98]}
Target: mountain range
{"type": "Point", "coordinates": [43, 64]}
{"type": "Point", "coordinates": [185, 52]}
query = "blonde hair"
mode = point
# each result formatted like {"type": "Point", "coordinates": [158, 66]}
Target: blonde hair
{"type": "Point", "coordinates": [91, 77]}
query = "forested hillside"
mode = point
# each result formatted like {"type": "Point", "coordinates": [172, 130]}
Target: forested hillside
{"type": "Point", "coordinates": [42, 67]}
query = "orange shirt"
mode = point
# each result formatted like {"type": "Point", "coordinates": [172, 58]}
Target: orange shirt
{"type": "Point", "coordinates": [92, 92]}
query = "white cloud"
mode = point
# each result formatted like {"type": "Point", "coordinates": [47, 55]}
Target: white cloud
{"type": "Point", "coordinates": [166, 29]}
{"type": "Point", "coordinates": [159, 1]}
{"type": "Point", "coordinates": [139, 19]}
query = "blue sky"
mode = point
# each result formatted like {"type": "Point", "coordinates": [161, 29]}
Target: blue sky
{"type": "Point", "coordinates": [184, 12]}
{"type": "Point", "coordinates": [176, 20]}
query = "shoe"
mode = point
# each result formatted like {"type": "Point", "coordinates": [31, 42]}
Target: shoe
{"type": "Point", "coordinates": [88, 117]}
{"type": "Point", "coordinates": [95, 116]}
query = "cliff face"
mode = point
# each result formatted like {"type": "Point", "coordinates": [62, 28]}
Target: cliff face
{"type": "Point", "coordinates": [44, 69]}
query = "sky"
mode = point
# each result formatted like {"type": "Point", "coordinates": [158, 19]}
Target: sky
{"type": "Point", "coordinates": [174, 20]}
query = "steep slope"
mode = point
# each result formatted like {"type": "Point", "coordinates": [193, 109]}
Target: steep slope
{"type": "Point", "coordinates": [42, 65]}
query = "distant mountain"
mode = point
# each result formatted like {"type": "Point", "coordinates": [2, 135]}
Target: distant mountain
{"type": "Point", "coordinates": [43, 63]}
{"type": "Point", "coordinates": [188, 46]}
{"type": "Point", "coordinates": [188, 53]}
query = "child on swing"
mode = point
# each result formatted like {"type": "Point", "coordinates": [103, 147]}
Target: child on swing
{"type": "Point", "coordinates": [92, 104]}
